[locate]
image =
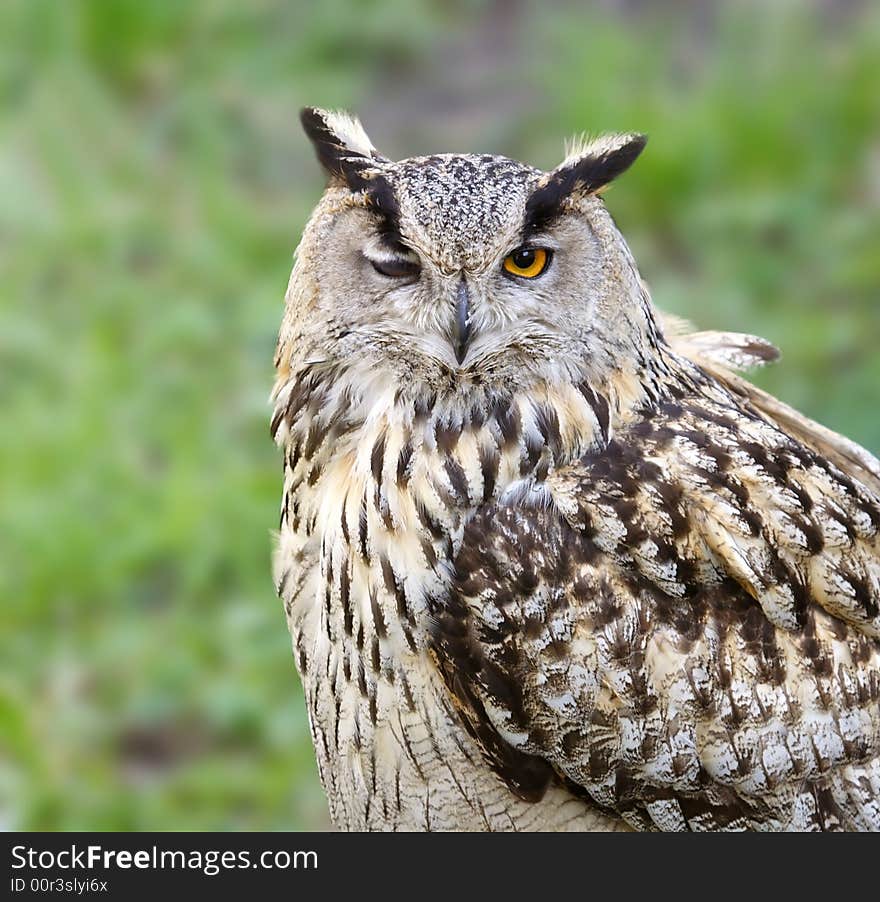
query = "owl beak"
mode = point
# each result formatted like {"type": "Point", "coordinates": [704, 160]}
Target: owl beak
{"type": "Point", "coordinates": [462, 330]}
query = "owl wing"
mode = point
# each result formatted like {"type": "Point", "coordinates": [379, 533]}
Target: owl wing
{"type": "Point", "coordinates": [721, 354]}
{"type": "Point", "coordinates": [683, 627]}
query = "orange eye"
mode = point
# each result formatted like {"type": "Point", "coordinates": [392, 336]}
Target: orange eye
{"type": "Point", "coordinates": [527, 262]}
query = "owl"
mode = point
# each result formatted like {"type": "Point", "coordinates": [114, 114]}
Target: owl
{"type": "Point", "coordinates": [548, 561]}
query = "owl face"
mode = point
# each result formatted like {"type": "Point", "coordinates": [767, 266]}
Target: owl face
{"type": "Point", "coordinates": [458, 273]}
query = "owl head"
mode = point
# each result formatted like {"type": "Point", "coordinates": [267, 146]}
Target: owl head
{"type": "Point", "coordinates": [462, 273]}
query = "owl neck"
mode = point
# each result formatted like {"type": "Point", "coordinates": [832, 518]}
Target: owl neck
{"type": "Point", "coordinates": [360, 439]}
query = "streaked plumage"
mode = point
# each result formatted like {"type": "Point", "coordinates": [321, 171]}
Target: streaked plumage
{"type": "Point", "coordinates": [547, 562]}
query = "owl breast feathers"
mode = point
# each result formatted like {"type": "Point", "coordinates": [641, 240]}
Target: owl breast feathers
{"type": "Point", "coordinates": [548, 562]}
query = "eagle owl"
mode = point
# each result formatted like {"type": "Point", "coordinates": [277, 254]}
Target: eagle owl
{"type": "Point", "coordinates": [547, 561]}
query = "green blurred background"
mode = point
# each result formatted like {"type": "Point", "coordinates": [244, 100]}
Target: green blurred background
{"type": "Point", "coordinates": [153, 183]}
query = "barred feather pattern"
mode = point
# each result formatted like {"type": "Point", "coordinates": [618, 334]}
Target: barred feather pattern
{"type": "Point", "coordinates": [378, 487]}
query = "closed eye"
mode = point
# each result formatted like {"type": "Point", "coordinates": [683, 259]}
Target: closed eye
{"type": "Point", "coordinates": [396, 269]}
{"type": "Point", "coordinates": [396, 262]}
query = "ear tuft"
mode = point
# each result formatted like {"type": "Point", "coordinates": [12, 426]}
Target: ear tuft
{"type": "Point", "coordinates": [347, 155]}
{"type": "Point", "coordinates": [339, 140]}
{"type": "Point", "coordinates": [597, 161]}
{"type": "Point", "coordinates": [589, 165]}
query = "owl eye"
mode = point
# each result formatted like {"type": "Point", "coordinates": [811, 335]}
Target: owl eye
{"type": "Point", "coordinates": [527, 262]}
{"type": "Point", "coordinates": [396, 268]}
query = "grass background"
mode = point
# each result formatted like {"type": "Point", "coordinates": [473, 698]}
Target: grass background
{"type": "Point", "coordinates": [153, 183]}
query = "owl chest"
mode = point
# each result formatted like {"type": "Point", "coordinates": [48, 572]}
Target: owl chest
{"type": "Point", "coordinates": [358, 581]}
{"type": "Point", "coordinates": [368, 535]}
{"type": "Point", "coordinates": [391, 751]}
